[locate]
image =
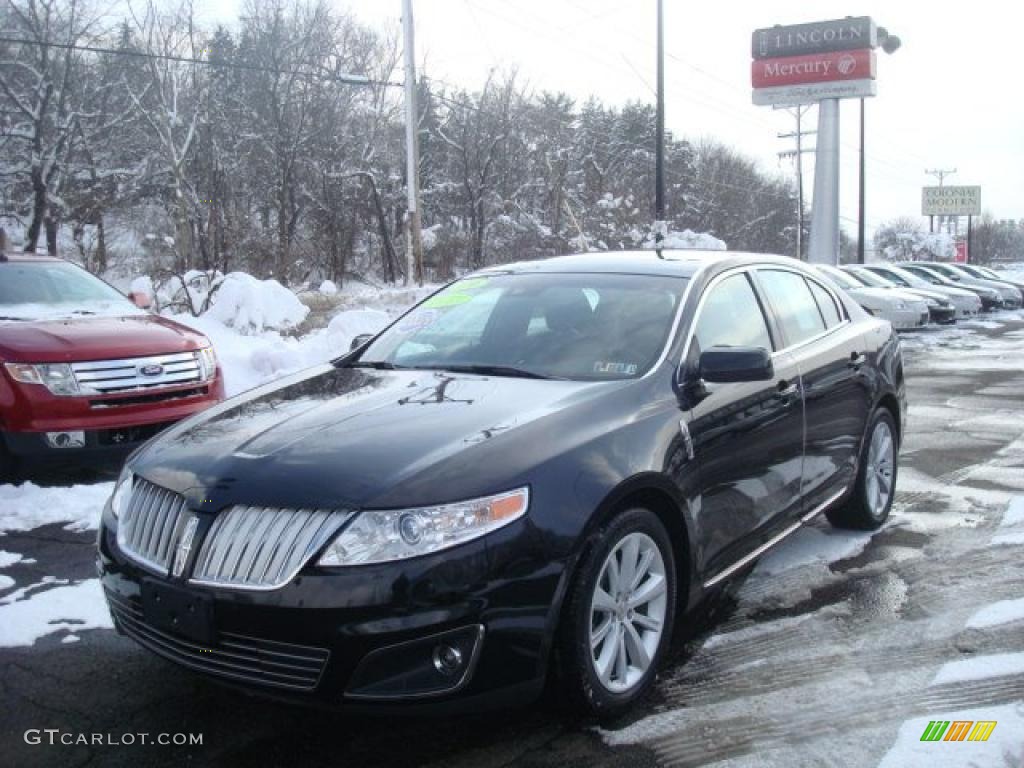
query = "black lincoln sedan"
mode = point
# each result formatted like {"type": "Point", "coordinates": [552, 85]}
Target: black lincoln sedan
{"type": "Point", "coordinates": [533, 472]}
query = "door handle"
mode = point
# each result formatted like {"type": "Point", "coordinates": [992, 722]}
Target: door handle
{"type": "Point", "coordinates": [787, 392]}
{"type": "Point", "coordinates": [857, 359]}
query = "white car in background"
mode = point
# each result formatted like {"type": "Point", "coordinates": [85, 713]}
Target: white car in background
{"type": "Point", "coordinates": [904, 311]}
{"type": "Point", "coordinates": [1012, 298]}
{"type": "Point", "coordinates": [966, 303]}
{"type": "Point", "coordinates": [940, 309]}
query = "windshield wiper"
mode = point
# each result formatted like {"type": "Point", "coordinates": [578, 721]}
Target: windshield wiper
{"type": "Point", "coordinates": [82, 312]}
{"type": "Point", "coordinates": [379, 365]}
{"type": "Point", "coordinates": [8, 317]}
{"type": "Point", "coordinates": [497, 370]}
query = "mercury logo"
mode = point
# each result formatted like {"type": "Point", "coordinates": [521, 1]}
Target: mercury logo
{"type": "Point", "coordinates": [151, 370]}
{"type": "Point", "coordinates": [846, 64]}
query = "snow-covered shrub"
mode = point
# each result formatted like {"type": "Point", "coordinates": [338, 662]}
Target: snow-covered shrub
{"type": "Point", "coordinates": [346, 325]}
{"type": "Point", "coordinates": [686, 239]}
{"type": "Point", "coordinates": [250, 305]}
{"type": "Point", "coordinates": [328, 288]}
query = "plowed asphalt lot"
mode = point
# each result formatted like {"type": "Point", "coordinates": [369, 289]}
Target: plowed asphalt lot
{"type": "Point", "coordinates": [836, 651]}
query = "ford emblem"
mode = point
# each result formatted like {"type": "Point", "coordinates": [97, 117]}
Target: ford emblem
{"type": "Point", "coordinates": [151, 370]}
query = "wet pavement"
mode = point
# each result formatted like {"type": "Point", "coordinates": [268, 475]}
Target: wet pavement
{"type": "Point", "coordinates": [819, 657]}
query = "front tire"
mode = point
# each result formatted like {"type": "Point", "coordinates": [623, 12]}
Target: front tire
{"type": "Point", "coordinates": [619, 614]}
{"type": "Point", "coordinates": [869, 504]}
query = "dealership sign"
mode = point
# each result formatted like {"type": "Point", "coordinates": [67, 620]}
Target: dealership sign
{"type": "Point", "coordinates": [951, 201]}
{"type": "Point", "coordinates": [805, 63]}
{"type": "Point", "coordinates": [813, 68]}
{"type": "Point", "coordinates": [818, 37]}
{"type": "Point", "coordinates": [791, 95]}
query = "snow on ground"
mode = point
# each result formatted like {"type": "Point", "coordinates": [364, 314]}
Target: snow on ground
{"type": "Point", "coordinates": [74, 607]}
{"type": "Point", "coordinates": [1003, 612]}
{"type": "Point", "coordinates": [980, 667]}
{"type": "Point", "coordinates": [27, 506]}
{"type": "Point", "coordinates": [1003, 748]}
{"type": "Point", "coordinates": [814, 546]}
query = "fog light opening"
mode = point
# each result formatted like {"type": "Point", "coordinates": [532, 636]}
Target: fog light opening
{"type": "Point", "coordinates": [448, 659]}
{"type": "Point", "coordinates": [65, 439]}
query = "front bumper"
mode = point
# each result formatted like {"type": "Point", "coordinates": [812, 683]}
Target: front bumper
{"type": "Point", "coordinates": [905, 319]}
{"type": "Point", "coordinates": [364, 637]}
{"type": "Point", "coordinates": [942, 315]}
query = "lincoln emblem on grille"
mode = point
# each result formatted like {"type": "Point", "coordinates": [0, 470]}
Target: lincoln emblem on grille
{"type": "Point", "coordinates": [184, 546]}
{"type": "Point", "coordinates": [154, 369]}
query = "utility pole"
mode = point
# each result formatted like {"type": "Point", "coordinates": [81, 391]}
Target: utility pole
{"type": "Point", "coordinates": [798, 155]}
{"type": "Point", "coordinates": [860, 204]}
{"type": "Point", "coordinates": [659, 139]}
{"type": "Point", "coordinates": [940, 174]}
{"type": "Point", "coordinates": [414, 238]}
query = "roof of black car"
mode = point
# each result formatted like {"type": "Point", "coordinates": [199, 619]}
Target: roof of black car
{"type": "Point", "coordinates": [676, 263]}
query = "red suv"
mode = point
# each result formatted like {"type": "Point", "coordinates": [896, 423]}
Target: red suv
{"type": "Point", "coordinates": [84, 372]}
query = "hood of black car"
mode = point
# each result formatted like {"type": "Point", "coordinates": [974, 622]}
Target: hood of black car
{"type": "Point", "coordinates": [353, 438]}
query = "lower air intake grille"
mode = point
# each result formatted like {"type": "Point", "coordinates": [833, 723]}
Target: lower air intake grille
{"type": "Point", "coordinates": [263, 547]}
{"type": "Point", "coordinates": [235, 657]}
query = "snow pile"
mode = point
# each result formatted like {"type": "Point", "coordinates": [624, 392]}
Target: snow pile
{"type": "Point", "coordinates": [995, 614]}
{"type": "Point", "coordinates": [142, 284]}
{"type": "Point", "coordinates": [686, 239]}
{"type": "Point", "coordinates": [328, 288]}
{"type": "Point", "coordinates": [27, 506]}
{"type": "Point", "coordinates": [250, 305]}
{"type": "Point", "coordinates": [249, 360]}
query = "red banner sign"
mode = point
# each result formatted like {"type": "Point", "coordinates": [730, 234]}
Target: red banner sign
{"type": "Point", "coordinates": [813, 68]}
{"type": "Point", "coordinates": [961, 251]}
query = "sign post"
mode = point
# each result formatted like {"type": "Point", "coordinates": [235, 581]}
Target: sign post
{"type": "Point", "coordinates": [821, 62]}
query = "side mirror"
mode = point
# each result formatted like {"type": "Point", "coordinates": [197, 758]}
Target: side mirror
{"type": "Point", "coordinates": [140, 299]}
{"type": "Point", "coordinates": [359, 341]}
{"type": "Point", "coordinates": [731, 364]}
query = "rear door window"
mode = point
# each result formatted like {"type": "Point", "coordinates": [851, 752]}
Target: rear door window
{"type": "Point", "coordinates": [829, 311]}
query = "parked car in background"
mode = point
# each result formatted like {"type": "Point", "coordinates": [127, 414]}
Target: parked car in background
{"type": "Point", "coordinates": [966, 303]}
{"type": "Point", "coordinates": [988, 274]}
{"type": "Point", "coordinates": [1010, 295]}
{"type": "Point", "coordinates": [535, 469]}
{"type": "Point", "coordinates": [904, 310]}
{"type": "Point", "coordinates": [85, 374]}
{"type": "Point", "coordinates": [940, 309]}
{"type": "Point", "coordinates": [990, 297]}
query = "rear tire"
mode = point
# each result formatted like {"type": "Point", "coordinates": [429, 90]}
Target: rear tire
{"type": "Point", "coordinates": [868, 506]}
{"type": "Point", "coordinates": [619, 613]}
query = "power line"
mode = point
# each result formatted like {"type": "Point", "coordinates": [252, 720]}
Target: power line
{"type": "Point", "coordinates": [347, 78]}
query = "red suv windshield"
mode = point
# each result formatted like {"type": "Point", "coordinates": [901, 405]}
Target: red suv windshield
{"type": "Point", "coordinates": [45, 290]}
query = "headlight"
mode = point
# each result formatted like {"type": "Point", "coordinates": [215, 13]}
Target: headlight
{"type": "Point", "coordinates": [122, 492]}
{"type": "Point", "coordinates": [377, 536]}
{"type": "Point", "coordinates": [56, 377]}
{"type": "Point", "coordinates": [207, 360]}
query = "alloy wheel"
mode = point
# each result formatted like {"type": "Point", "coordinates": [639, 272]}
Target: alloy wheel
{"type": "Point", "coordinates": [627, 612]}
{"type": "Point", "coordinates": [879, 472]}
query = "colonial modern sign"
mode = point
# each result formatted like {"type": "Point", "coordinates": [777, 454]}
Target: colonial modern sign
{"type": "Point", "coordinates": [951, 201]}
{"type": "Point", "coordinates": [837, 35]}
{"type": "Point", "coordinates": [814, 68]}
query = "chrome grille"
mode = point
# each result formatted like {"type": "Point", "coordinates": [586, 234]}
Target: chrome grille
{"type": "Point", "coordinates": [105, 376]}
{"type": "Point", "coordinates": [149, 526]}
{"type": "Point", "coordinates": [263, 547]}
{"type": "Point", "coordinates": [236, 657]}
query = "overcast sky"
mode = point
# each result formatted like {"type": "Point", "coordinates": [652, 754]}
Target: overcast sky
{"type": "Point", "coordinates": [949, 98]}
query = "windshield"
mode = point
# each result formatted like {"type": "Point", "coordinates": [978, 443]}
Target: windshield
{"type": "Point", "coordinates": [905, 278]}
{"type": "Point", "coordinates": [839, 277]}
{"type": "Point", "coordinates": [870, 279]}
{"type": "Point", "coordinates": [47, 290]}
{"type": "Point", "coordinates": [572, 326]}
